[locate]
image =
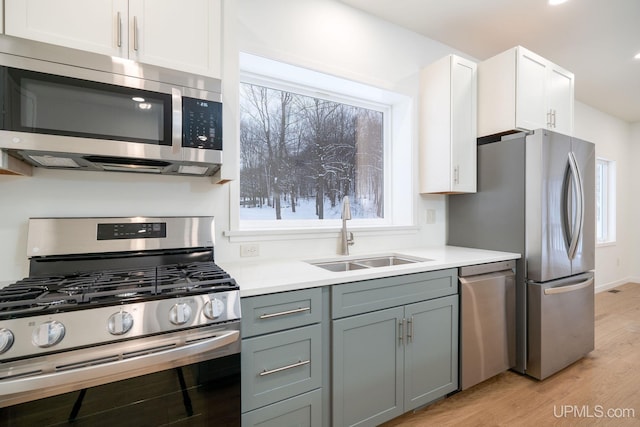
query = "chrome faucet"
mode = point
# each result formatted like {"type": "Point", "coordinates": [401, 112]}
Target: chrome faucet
{"type": "Point", "coordinates": [347, 237]}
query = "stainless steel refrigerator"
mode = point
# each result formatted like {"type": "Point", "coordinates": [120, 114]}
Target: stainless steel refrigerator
{"type": "Point", "coordinates": [536, 196]}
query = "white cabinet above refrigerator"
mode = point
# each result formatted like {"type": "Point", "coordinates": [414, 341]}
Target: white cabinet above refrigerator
{"type": "Point", "coordinates": [520, 90]}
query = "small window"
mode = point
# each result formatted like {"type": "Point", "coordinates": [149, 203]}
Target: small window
{"type": "Point", "coordinates": [605, 201]}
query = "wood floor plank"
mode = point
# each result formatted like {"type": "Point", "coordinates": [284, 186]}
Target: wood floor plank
{"type": "Point", "coordinates": [608, 379]}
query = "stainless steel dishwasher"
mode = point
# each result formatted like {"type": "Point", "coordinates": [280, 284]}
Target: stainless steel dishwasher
{"type": "Point", "coordinates": [487, 321]}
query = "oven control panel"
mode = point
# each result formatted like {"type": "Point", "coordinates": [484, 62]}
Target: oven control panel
{"type": "Point", "coordinates": [138, 230]}
{"type": "Point", "coordinates": [30, 336]}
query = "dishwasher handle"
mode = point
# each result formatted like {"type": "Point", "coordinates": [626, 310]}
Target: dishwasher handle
{"type": "Point", "coordinates": [492, 267]}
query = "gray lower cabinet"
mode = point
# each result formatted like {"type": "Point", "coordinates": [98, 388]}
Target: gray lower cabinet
{"type": "Point", "coordinates": [282, 360]}
{"type": "Point", "coordinates": [300, 411]}
{"type": "Point", "coordinates": [389, 361]}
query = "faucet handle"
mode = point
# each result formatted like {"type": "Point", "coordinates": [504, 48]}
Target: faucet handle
{"type": "Point", "coordinates": [350, 240]}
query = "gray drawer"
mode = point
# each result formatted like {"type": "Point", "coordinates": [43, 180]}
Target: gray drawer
{"type": "Point", "coordinates": [280, 365]}
{"type": "Point", "coordinates": [376, 294]}
{"type": "Point", "coordinates": [300, 411]}
{"type": "Point", "coordinates": [276, 312]}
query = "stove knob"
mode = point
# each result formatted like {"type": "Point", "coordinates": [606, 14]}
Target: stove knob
{"type": "Point", "coordinates": [213, 308]}
{"type": "Point", "coordinates": [180, 314]}
{"type": "Point", "coordinates": [120, 323]}
{"type": "Point", "coordinates": [6, 340]}
{"type": "Point", "coordinates": [48, 334]}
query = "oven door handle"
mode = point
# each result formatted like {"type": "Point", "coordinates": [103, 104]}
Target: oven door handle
{"type": "Point", "coordinates": [90, 375]}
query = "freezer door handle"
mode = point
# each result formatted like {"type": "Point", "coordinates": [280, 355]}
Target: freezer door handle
{"type": "Point", "coordinates": [568, 288]}
{"type": "Point", "coordinates": [578, 219]}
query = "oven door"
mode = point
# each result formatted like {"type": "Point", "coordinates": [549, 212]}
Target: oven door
{"type": "Point", "coordinates": [196, 382]}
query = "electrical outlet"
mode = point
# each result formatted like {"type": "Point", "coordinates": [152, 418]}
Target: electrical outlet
{"type": "Point", "coordinates": [431, 216]}
{"type": "Point", "coordinates": [252, 249]}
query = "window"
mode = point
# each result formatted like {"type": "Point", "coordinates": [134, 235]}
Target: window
{"type": "Point", "coordinates": [605, 201]}
{"type": "Point", "coordinates": [300, 155]}
{"type": "Point", "coordinates": [308, 139]}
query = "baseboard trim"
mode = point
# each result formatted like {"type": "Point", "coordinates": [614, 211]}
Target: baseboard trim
{"type": "Point", "coordinates": [611, 285]}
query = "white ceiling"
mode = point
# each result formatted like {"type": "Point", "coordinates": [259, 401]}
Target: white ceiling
{"type": "Point", "coordinates": [595, 39]}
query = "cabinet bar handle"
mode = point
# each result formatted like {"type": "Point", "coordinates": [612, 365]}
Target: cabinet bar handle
{"type": "Point", "coordinates": [400, 330]}
{"type": "Point", "coordinates": [284, 368]}
{"type": "Point", "coordinates": [553, 116]}
{"type": "Point", "coordinates": [285, 313]}
{"type": "Point", "coordinates": [119, 30]}
{"type": "Point", "coordinates": [410, 329]}
{"type": "Point", "coordinates": [135, 33]}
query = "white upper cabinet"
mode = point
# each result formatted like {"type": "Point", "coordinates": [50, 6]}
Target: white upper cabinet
{"type": "Point", "coordinates": [448, 105]}
{"type": "Point", "coordinates": [183, 35]}
{"type": "Point", "coordinates": [519, 90]}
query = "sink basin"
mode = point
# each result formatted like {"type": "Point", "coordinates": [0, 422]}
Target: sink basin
{"type": "Point", "coordinates": [340, 266]}
{"type": "Point", "coordinates": [367, 262]}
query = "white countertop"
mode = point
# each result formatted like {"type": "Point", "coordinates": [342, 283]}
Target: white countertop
{"type": "Point", "coordinates": [259, 277]}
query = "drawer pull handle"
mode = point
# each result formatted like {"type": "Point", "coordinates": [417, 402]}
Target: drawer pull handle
{"type": "Point", "coordinates": [285, 313]}
{"type": "Point", "coordinates": [284, 368]}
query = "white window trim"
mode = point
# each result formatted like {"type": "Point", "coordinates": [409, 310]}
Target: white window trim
{"type": "Point", "coordinates": [400, 206]}
{"type": "Point", "coordinates": [610, 209]}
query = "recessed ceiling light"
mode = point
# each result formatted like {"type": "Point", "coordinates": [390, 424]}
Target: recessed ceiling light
{"type": "Point", "coordinates": [556, 2]}
{"type": "Point", "coordinates": [637, 56]}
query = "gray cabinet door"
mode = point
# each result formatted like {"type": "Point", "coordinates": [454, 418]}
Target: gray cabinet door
{"type": "Point", "coordinates": [280, 365]}
{"type": "Point", "coordinates": [368, 368]}
{"type": "Point", "coordinates": [300, 411]}
{"type": "Point", "coordinates": [431, 351]}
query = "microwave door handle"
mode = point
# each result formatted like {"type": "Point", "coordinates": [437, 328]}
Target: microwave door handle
{"type": "Point", "coordinates": [578, 220]}
{"type": "Point", "coordinates": [176, 121]}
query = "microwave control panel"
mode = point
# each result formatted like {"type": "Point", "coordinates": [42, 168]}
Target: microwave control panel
{"type": "Point", "coordinates": [201, 123]}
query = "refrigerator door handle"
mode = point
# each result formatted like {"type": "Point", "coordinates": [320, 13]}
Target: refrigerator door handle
{"type": "Point", "coordinates": [569, 288]}
{"type": "Point", "coordinates": [578, 220]}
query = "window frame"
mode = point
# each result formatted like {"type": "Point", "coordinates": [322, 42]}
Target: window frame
{"type": "Point", "coordinates": [396, 109]}
{"type": "Point", "coordinates": [605, 178]}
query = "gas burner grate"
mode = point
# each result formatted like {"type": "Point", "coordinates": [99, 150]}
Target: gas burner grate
{"type": "Point", "coordinates": [113, 287]}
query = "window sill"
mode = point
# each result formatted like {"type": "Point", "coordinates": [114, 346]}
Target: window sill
{"type": "Point", "coordinates": [235, 236]}
{"type": "Point", "coordinates": [605, 244]}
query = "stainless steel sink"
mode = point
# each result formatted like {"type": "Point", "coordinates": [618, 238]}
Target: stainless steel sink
{"type": "Point", "coordinates": [340, 266]}
{"type": "Point", "coordinates": [367, 262]}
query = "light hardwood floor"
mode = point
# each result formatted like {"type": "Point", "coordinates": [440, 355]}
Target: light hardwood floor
{"type": "Point", "coordinates": [608, 379]}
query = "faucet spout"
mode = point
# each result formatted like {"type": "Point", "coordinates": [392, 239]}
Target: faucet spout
{"type": "Point", "coordinates": [347, 237]}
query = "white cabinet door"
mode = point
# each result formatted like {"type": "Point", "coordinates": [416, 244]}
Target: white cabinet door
{"type": "Point", "coordinates": [560, 91]}
{"type": "Point", "coordinates": [96, 26]}
{"type": "Point", "coordinates": [464, 128]}
{"type": "Point", "coordinates": [448, 126]}
{"type": "Point", "coordinates": [531, 96]}
{"type": "Point", "coordinates": [184, 35]}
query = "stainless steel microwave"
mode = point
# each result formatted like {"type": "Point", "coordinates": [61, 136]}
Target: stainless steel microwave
{"type": "Point", "coordinates": [97, 113]}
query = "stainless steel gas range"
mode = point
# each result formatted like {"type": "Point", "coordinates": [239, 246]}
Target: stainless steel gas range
{"type": "Point", "coordinates": [114, 302]}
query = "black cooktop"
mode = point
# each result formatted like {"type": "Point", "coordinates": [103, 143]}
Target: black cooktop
{"type": "Point", "coordinates": [39, 295]}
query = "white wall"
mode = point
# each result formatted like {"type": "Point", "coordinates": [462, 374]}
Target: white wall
{"type": "Point", "coordinates": [60, 193]}
{"type": "Point", "coordinates": [614, 263]}
{"type": "Point", "coordinates": [634, 203]}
